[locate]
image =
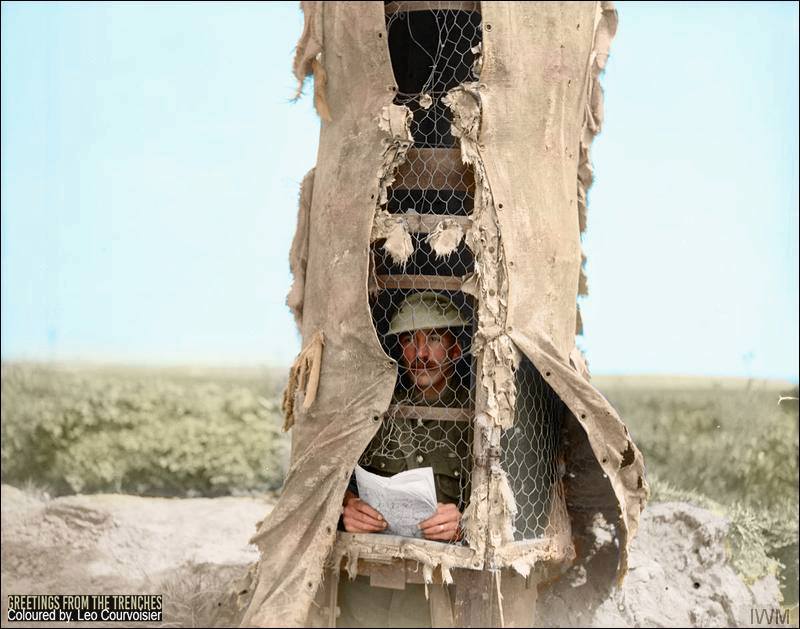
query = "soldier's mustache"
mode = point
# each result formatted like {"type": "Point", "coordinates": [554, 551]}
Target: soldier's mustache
{"type": "Point", "coordinates": [430, 364]}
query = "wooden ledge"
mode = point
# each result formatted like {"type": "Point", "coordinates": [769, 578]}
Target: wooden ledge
{"type": "Point", "coordinates": [419, 282]}
{"type": "Point", "coordinates": [426, 223]}
{"type": "Point", "coordinates": [403, 7]}
{"type": "Point", "coordinates": [434, 168]}
{"type": "Point", "coordinates": [435, 413]}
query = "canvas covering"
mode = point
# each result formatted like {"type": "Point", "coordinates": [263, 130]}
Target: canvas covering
{"type": "Point", "coordinates": [525, 128]}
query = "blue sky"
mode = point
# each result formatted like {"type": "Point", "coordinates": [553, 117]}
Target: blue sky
{"type": "Point", "coordinates": [151, 161]}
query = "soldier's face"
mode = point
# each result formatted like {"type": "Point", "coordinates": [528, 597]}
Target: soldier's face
{"type": "Point", "coordinates": [428, 357]}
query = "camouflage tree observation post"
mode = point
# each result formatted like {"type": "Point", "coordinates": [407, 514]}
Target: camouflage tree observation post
{"type": "Point", "coordinates": [451, 174]}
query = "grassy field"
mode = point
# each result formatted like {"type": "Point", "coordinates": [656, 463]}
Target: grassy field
{"type": "Point", "coordinates": [725, 444]}
{"type": "Point", "coordinates": [728, 445]}
{"type": "Point", "coordinates": [158, 432]}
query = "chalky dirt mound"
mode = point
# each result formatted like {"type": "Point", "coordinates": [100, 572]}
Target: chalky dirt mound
{"type": "Point", "coordinates": [190, 550]}
{"type": "Point", "coordinates": [679, 576]}
{"type": "Point", "coordinates": [195, 552]}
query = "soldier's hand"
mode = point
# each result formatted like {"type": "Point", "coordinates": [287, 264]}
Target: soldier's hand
{"type": "Point", "coordinates": [359, 517]}
{"type": "Point", "coordinates": [444, 525]}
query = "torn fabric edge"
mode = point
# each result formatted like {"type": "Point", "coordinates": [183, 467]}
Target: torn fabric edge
{"type": "Point", "coordinates": [607, 436]}
{"type": "Point", "coordinates": [477, 64]}
{"type": "Point", "coordinates": [393, 230]}
{"type": "Point", "coordinates": [308, 57]}
{"type": "Point", "coordinates": [445, 237]}
{"type": "Point", "coordinates": [523, 559]}
{"type": "Point", "coordinates": [499, 357]}
{"type": "Point", "coordinates": [352, 548]}
{"type": "Point", "coordinates": [303, 379]}
{"type": "Point", "coordinates": [619, 475]}
{"type": "Point", "coordinates": [605, 27]}
{"type": "Point", "coordinates": [395, 121]}
{"type": "Point", "coordinates": [298, 254]}
{"type": "Point", "coordinates": [488, 519]}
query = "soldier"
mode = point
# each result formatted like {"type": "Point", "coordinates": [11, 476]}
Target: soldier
{"type": "Point", "coordinates": [427, 327]}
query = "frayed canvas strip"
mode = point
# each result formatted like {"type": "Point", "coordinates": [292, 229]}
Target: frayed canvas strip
{"type": "Point", "coordinates": [395, 121]}
{"type": "Point", "coordinates": [394, 231]}
{"type": "Point", "coordinates": [308, 58]}
{"type": "Point", "coordinates": [303, 376]}
{"type": "Point", "coordinates": [499, 356]}
{"type": "Point", "coordinates": [298, 254]}
{"type": "Point", "coordinates": [445, 237]}
{"type": "Point", "coordinates": [605, 27]}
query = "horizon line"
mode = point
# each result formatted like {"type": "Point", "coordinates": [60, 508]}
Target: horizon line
{"type": "Point", "coordinates": [156, 365]}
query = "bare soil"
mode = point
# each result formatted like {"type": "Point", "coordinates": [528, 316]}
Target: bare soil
{"type": "Point", "coordinates": [194, 551]}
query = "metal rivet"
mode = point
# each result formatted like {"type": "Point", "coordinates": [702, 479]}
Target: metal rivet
{"type": "Point", "coordinates": [380, 35]}
{"type": "Point", "coordinates": [510, 263]}
{"type": "Point", "coordinates": [488, 27]}
{"type": "Point", "coordinates": [420, 459]}
{"type": "Point", "coordinates": [510, 329]}
{"type": "Point", "coordinates": [456, 474]}
{"type": "Point", "coordinates": [383, 465]}
{"type": "Point", "coordinates": [546, 373]}
{"type": "Point", "coordinates": [499, 206]}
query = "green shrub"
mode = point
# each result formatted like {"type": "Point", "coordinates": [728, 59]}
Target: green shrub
{"type": "Point", "coordinates": [732, 445]}
{"type": "Point", "coordinates": [91, 430]}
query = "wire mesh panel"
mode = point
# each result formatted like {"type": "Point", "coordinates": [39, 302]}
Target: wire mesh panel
{"type": "Point", "coordinates": [423, 261]}
{"type": "Point", "coordinates": [434, 358]}
{"type": "Point", "coordinates": [408, 442]}
{"type": "Point", "coordinates": [433, 201]}
{"type": "Point", "coordinates": [433, 181]}
{"type": "Point", "coordinates": [421, 316]}
{"type": "Point", "coordinates": [433, 50]}
{"type": "Point", "coordinates": [529, 452]}
{"type": "Point", "coordinates": [429, 333]}
{"type": "Point", "coordinates": [424, 320]}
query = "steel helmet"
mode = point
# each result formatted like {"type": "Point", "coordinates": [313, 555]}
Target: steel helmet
{"type": "Point", "coordinates": [426, 310]}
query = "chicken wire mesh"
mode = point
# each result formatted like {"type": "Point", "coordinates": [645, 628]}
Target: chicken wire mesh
{"type": "Point", "coordinates": [432, 51]}
{"type": "Point", "coordinates": [421, 316]}
{"type": "Point", "coordinates": [531, 453]}
{"type": "Point", "coordinates": [429, 420]}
